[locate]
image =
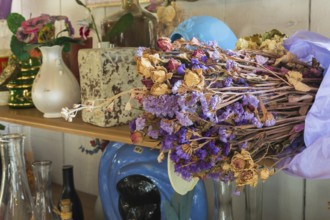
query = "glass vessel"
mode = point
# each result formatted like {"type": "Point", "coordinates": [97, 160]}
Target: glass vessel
{"type": "Point", "coordinates": [15, 196]}
{"type": "Point", "coordinates": [224, 191]}
{"type": "Point", "coordinates": [44, 199]}
{"type": "Point", "coordinates": [141, 33]}
{"type": "Point", "coordinates": [253, 202]}
{"type": "Point", "coordinates": [70, 204]}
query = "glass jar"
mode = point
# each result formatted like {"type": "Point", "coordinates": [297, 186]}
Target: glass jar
{"type": "Point", "coordinates": [44, 200]}
{"type": "Point", "coordinates": [141, 33]}
{"type": "Point", "coordinates": [15, 197]}
{"type": "Point", "coordinates": [224, 191]}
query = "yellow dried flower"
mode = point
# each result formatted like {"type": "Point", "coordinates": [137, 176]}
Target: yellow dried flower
{"type": "Point", "coordinates": [264, 173]}
{"type": "Point", "coordinates": [159, 89]}
{"type": "Point", "coordinates": [194, 78]}
{"type": "Point", "coordinates": [144, 67]}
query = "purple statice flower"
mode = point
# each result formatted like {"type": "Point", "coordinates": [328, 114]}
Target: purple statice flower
{"type": "Point", "coordinates": [204, 58]}
{"type": "Point", "coordinates": [230, 64]}
{"type": "Point", "coordinates": [182, 135]}
{"type": "Point", "coordinates": [181, 69]}
{"type": "Point", "coordinates": [261, 59]}
{"type": "Point", "coordinates": [181, 153]}
{"type": "Point", "coordinates": [223, 115]}
{"type": "Point", "coordinates": [250, 100]}
{"type": "Point", "coordinates": [188, 102]}
{"type": "Point", "coordinates": [165, 105]}
{"type": "Point", "coordinates": [154, 134]}
{"type": "Point", "coordinates": [247, 115]}
{"type": "Point", "coordinates": [176, 86]}
{"type": "Point", "coordinates": [214, 55]}
{"type": "Point", "coordinates": [269, 123]}
{"type": "Point", "coordinates": [139, 51]}
{"type": "Point", "coordinates": [132, 125]}
{"type": "Point", "coordinates": [183, 118]}
{"type": "Point", "coordinates": [167, 126]}
{"type": "Point", "coordinates": [168, 142]}
{"type": "Point", "coordinates": [140, 123]}
{"type": "Point", "coordinates": [243, 145]}
{"type": "Point", "coordinates": [256, 122]}
{"type": "Point", "coordinates": [214, 175]}
{"type": "Point", "coordinates": [212, 43]}
{"type": "Point", "coordinates": [200, 154]}
{"type": "Point", "coordinates": [212, 148]}
{"type": "Point", "coordinates": [223, 136]}
{"type": "Point", "coordinates": [214, 102]}
{"type": "Point", "coordinates": [238, 108]}
{"type": "Point", "coordinates": [228, 82]}
{"type": "Point", "coordinates": [241, 82]}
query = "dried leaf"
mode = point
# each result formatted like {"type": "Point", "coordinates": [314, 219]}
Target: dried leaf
{"type": "Point", "coordinates": [285, 58]}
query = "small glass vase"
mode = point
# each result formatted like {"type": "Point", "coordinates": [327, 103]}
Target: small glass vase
{"type": "Point", "coordinates": [54, 87]}
{"type": "Point", "coordinates": [224, 193]}
{"type": "Point", "coordinates": [15, 196]}
{"type": "Point", "coordinates": [44, 200]}
{"type": "Point", "coordinates": [253, 202]}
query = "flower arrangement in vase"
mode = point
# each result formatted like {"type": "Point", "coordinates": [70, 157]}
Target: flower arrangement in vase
{"type": "Point", "coordinates": [54, 86]}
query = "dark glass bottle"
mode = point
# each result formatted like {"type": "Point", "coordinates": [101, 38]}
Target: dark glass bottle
{"type": "Point", "coordinates": [69, 204]}
{"type": "Point", "coordinates": [142, 32]}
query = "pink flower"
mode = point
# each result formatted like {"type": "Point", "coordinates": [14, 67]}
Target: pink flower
{"type": "Point", "coordinates": [28, 32]}
{"type": "Point", "coordinates": [33, 25]}
{"type": "Point", "coordinates": [164, 43]}
{"type": "Point", "coordinates": [136, 137]}
{"type": "Point", "coordinates": [173, 65]}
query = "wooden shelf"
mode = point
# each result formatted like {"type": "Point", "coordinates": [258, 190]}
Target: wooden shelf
{"type": "Point", "coordinates": [32, 117]}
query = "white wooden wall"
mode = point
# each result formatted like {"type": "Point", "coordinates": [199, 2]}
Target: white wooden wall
{"type": "Point", "coordinates": [285, 197]}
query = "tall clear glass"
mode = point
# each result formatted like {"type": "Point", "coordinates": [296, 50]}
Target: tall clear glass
{"type": "Point", "coordinates": [44, 200]}
{"type": "Point", "coordinates": [15, 196]}
{"type": "Point", "coordinates": [224, 191]}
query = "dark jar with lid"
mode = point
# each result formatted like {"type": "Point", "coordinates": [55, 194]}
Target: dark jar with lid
{"type": "Point", "coordinates": [142, 32]}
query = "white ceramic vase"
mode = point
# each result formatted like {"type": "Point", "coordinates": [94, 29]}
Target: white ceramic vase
{"type": "Point", "coordinates": [55, 86]}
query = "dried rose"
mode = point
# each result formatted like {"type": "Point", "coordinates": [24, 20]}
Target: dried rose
{"type": "Point", "coordinates": [247, 177]}
{"type": "Point", "coordinates": [173, 65]}
{"type": "Point", "coordinates": [242, 161]}
{"type": "Point", "coordinates": [159, 89]}
{"type": "Point", "coordinates": [164, 43]}
{"type": "Point", "coordinates": [154, 58]}
{"type": "Point", "coordinates": [194, 78]}
{"type": "Point", "coordinates": [136, 137]}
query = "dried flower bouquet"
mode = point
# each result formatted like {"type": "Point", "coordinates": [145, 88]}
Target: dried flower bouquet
{"type": "Point", "coordinates": [227, 115]}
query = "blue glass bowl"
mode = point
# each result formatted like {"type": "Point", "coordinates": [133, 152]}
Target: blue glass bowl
{"type": "Point", "coordinates": [206, 28]}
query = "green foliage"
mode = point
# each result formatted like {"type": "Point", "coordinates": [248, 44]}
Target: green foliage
{"type": "Point", "coordinates": [14, 21]}
{"type": "Point", "coordinates": [121, 25]}
{"type": "Point", "coordinates": [179, 207]}
{"type": "Point", "coordinates": [19, 49]}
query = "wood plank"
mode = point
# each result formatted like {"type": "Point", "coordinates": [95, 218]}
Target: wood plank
{"type": "Point", "coordinates": [32, 117]}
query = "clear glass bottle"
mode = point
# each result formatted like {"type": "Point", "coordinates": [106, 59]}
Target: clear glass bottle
{"type": "Point", "coordinates": [224, 199]}
{"type": "Point", "coordinates": [15, 195]}
{"type": "Point", "coordinates": [142, 32]}
{"type": "Point", "coordinates": [43, 184]}
{"type": "Point", "coordinates": [69, 204]}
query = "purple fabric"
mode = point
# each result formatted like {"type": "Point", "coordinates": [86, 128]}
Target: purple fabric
{"type": "Point", "coordinates": [5, 8]}
{"type": "Point", "coordinates": [314, 161]}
